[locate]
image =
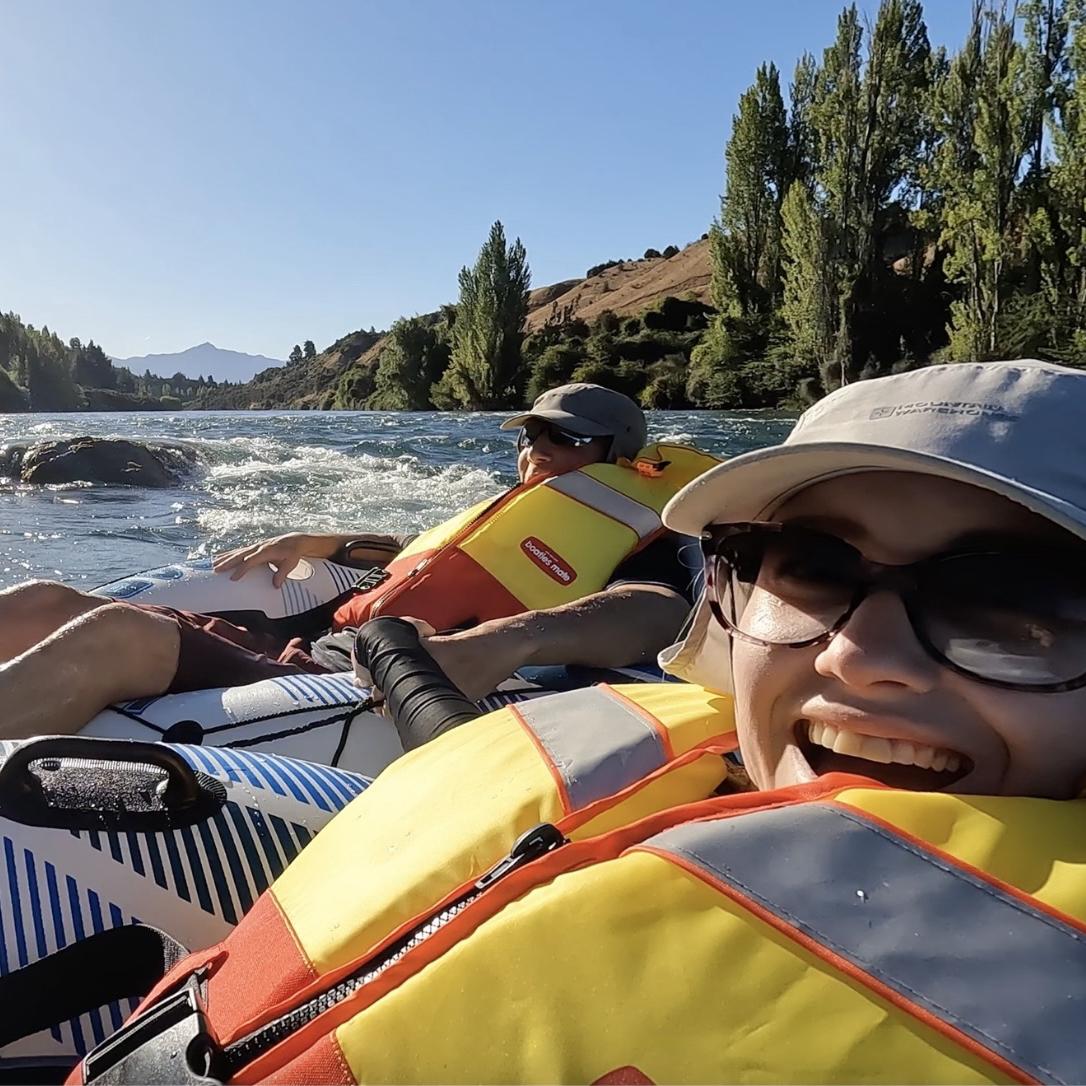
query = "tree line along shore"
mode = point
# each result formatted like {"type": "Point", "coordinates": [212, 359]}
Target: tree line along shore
{"type": "Point", "coordinates": [891, 205]}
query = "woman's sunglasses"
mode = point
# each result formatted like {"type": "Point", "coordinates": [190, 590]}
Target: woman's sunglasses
{"type": "Point", "coordinates": [1014, 618]}
{"type": "Point", "coordinates": [533, 429]}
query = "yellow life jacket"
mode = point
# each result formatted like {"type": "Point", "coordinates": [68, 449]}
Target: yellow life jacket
{"type": "Point", "coordinates": [539, 545]}
{"type": "Point", "coordinates": [655, 932]}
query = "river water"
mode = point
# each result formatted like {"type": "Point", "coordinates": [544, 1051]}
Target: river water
{"type": "Point", "coordinates": [261, 473]}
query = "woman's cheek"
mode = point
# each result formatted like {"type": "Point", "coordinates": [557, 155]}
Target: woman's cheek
{"type": "Point", "coordinates": [756, 693]}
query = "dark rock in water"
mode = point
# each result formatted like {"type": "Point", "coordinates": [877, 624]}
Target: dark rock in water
{"type": "Point", "coordinates": [112, 461]}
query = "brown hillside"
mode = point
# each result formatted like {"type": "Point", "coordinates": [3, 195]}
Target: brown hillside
{"type": "Point", "coordinates": [627, 289]}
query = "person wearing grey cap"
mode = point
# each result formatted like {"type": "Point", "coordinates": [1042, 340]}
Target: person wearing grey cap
{"type": "Point", "coordinates": [899, 589]}
{"type": "Point", "coordinates": [113, 652]}
{"type": "Point", "coordinates": [578, 415]}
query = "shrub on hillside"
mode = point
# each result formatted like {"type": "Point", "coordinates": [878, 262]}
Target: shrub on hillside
{"type": "Point", "coordinates": [607, 322]}
{"type": "Point", "coordinates": [651, 254]}
{"type": "Point", "coordinates": [354, 388]}
{"type": "Point", "coordinates": [596, 269]}
{"type": "Point", "coordinates": [555, 366]}
{"type": "Point", "coordinates": [666, 389]}
{"type": "Point", "coordinates": [648, 347]}
{"type": "Point", "coordinates": [670, 251]}
{"type": "Point", "coordinates": [414, 357]}
{"type": "Point", "coordinates": [677, 315]}
{"type": "Point", "coordinates": [716, 389]}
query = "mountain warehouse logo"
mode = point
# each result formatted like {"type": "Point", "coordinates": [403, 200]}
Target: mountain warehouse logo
{"type": "Point", "coordinates": [552, 564]}
{"type": "Point", "coordinates": [991, 411]}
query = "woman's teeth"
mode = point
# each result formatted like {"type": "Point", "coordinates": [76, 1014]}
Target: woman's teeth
{"type": "Point", "coordinates": [876, 749]}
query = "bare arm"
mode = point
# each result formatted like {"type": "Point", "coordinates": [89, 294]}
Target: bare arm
{"type": "Point", "coordinates": [627, 624]}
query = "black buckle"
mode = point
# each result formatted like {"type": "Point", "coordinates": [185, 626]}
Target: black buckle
{"type": "Point", "coordinates": [371, 579]}
{"type": "Point", "coordinates": [170, 1043]}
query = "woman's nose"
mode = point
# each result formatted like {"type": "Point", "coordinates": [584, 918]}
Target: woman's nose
{"type": "Point", "coordinates": [878, 646]}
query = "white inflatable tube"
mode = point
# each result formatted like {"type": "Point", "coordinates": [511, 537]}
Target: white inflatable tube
{"type": "Point", "coordinates": [317, 718]}
{"type": "Point", "coordinates": [195, 883]}
{"type": "Point", "coordinates": [194, 586]}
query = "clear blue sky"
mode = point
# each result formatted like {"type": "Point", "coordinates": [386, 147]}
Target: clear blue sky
{"type": "Point", "coordinates": [256, 172]}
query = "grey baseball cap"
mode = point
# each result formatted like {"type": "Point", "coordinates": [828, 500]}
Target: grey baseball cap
{"type": "Point", "coordinates": [593, 411]}
{"type": "Point", "coordinates": [1015, 428]}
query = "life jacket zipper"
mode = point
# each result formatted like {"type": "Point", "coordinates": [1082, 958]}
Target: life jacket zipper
{"type": "Point", "coordinates": [529, 846]}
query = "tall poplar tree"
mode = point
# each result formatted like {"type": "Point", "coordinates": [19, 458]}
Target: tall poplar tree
{"type": "Point", "coordinates": [1066, 289]}
{"type": "Point", "coordinates": [487, 335]}
{"type": "Point", "coordinates": [867, 119]}
{"type": "Point", "coordinates": [801, 137]}
{"type": "Point", "coordinates": [746, 242]}
{"type": "Point", "coordinates": [1043, 85]}
{"type": "Point", "coordinates": [807, 308]}
{"type": "Point", "coordinates": [986, 132]}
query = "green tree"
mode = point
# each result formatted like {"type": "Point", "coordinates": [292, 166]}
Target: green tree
{"type": "Point", "coordinates": [745, 243]}
{"type": "Point", "coordinates": [808, 303]}
{"type": "Point", "coordinates": [801, 137]}
{"type": "Point", "coordinates": [12, 397]}
{"type": "Point", "coordinates": [296, 355]}
{"type": "Point", "coordinates": [487, 335]}
{"type": "Point", "coordinates": [867, 118]}
{"type": "Point", "coordinates": [91, 367]}
{"type": "Point", "coordinates": [1066, 286]}
{"type": "Point", "coordinates": [984, 122]}
{"type": "Point", "coordinates": [309, 349]}
{"type": "Point", "coordinates": [49, 381]}
{"type": "Point", "coordinates": [415, 356]}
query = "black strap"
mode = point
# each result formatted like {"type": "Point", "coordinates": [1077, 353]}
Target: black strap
{"type": "Point", "coordinates": [118, 963]}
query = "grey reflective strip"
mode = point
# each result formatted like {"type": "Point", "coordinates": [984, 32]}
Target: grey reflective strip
{"type": "Point", "coordinates": [1009, 976]}
{"type": "Point", "coordinates": [643, 520]}
{"type": "Point", "coordinates": [596, 742]}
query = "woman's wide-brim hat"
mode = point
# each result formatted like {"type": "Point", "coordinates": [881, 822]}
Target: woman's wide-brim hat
{"type": "Point", "coordinates": [1017, 429]}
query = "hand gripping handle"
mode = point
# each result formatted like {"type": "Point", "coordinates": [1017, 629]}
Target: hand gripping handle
{"type": "Point", "coordinates": [422, 702]}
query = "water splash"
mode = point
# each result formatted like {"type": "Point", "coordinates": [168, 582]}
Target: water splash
{"type": "Point", "coordinates": [260, 474]}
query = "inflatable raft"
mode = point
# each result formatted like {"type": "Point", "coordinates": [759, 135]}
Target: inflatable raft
{"type": "Point", "coordinates": [327, 719]}
{"type": "Point", "coordinates": [101, 834]}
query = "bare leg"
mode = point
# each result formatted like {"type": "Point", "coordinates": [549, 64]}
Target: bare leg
{"type": "Point", "coordinates": [30, 612]}
{"type": "Point", "coordinates": [112, 653]}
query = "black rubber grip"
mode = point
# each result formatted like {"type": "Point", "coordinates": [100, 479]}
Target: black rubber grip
{"type": "Point", "coordinates": [421, 700]}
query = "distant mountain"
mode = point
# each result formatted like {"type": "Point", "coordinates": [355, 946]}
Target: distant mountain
{"type": "Point", "coordinates": [204, 360]}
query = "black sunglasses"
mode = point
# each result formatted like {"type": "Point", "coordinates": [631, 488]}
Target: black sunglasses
{"type": "Point", "coordinates": [1014, 618]}
{"type": "Point", "coordinates": [533, 429]}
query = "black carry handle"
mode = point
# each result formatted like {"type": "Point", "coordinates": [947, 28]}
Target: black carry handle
{"type": "Point", "coordinates": [422, 702]}
{"type": "Point", "coordinates": [114, 784]}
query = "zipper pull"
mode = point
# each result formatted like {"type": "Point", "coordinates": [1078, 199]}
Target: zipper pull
{"type": "Point", "coordinates": [529, 846]}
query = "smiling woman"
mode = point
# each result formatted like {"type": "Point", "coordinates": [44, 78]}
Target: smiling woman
{"type": "Point", "coordinates": [911, 603]}
{"type": "Point", "coordinates": [924, 685]}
